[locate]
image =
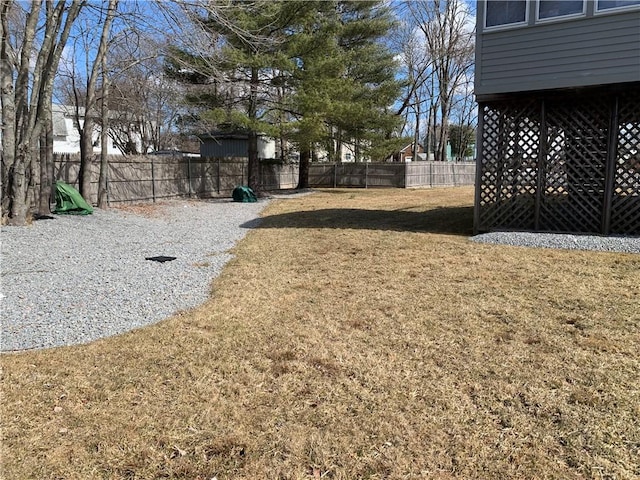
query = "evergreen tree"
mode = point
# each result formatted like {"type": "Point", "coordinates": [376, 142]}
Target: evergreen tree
{"type": "Point", "coordinates": [370, 78]}
{"type": "Point", "coordinates": [344, 82]}
{"type": "Point", "coordinates": [314, 78]}
{"type": "Point", "coordinates": [315, 70]}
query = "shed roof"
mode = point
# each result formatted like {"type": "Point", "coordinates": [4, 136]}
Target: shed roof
{"type": "Point", "coordinates": [227, 135]}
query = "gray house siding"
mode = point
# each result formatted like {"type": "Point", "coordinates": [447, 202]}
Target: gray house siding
{"type": "Point", "coordinates": [584, 51]}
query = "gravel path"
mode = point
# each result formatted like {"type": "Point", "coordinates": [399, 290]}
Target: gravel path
{"type": "Point", "coordinates": [75, 279]}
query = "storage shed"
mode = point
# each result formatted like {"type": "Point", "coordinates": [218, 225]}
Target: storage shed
{"type": "Point", "coordinates": [234, 144]}
{"type": "Point", "coordinates": [558, 88]}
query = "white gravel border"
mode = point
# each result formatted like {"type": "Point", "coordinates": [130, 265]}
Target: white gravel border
{"type": "Point", "coordinates": [75, 279]}
{"type": "Point", "coordinates": [562, 241]}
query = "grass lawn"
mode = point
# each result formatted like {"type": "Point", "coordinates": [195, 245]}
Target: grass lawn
{"type": "Point", "coordinates": [356, 334]}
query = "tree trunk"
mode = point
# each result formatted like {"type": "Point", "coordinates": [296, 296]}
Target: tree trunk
{"type": "Point", "coordinates": [338, 151]}
{"type": "Point", "coordinates": [15, 139]}
{"type": "Point", "coordinates": [7, 100]}
{"type": "Point", "coordinates": [18, 191]}
{"type": "Point", "coordinates": [433, 115]}
{"type": "Point", "coordinates": [86, 140]}
{"type": "Point", "coordinates": [46, 165]}
{"type": "Point", "coordinates": [26, 96]}
{"type": "Point", "coordinates": [303, 174]}
{"type": "Point", "coordinates": [104, 139]}
{"type": "Point", "coordinates": [254, 166]}
{"type": "Point", "coordinates": [443, 136]}
{"type": "Point", "coordinates": [416, 131]}
{"type": "Point", "coordinates": [86, 158]}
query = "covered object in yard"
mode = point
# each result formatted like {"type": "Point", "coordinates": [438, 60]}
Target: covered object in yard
{"type": "Point", "coordinates": [244, 194]}
{"type": "Point", "coordinates": [69, 201]}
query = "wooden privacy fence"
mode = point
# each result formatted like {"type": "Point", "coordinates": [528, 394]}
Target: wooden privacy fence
{"type": "Point", "coordinates": [151, 178]}
{"type": "Point", "coordinates": [399, 175]}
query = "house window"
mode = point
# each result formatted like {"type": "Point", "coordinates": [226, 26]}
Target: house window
{"type": "Point", "coordinates": [501, 12]}
{"type": "Point", "coordinates": [347, 157]}
{"type": "Point", "coordinates": [559, 8]}
{"type": "Point", "coordinates": [604, 5]}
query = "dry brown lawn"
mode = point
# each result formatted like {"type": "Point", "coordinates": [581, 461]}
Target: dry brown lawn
{"type": "Point", "coordinates": [357, 334]}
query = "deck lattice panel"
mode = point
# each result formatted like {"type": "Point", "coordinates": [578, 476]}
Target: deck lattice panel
{"type": "Point", "coordinates": [545, 164]}
{"type": "Point", "coordinates": [625, 207]}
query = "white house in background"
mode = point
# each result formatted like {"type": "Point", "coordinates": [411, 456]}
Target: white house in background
{"type": "Point", "coordinates": [348, 152]}
{"type": "Point", "coordinates": [66, 138]}
{"type": "Point", "coordinates": [320, 154]}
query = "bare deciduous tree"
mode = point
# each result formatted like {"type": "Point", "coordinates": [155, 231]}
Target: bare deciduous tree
{"type": "Point", "coordinates": [448, 41]}
{"type": "Point", "coordinates": [144, 102]}
{"type": "Point", "coordinates": [85, 84]}
{"type": "Point", "coordinates": [26, 92]}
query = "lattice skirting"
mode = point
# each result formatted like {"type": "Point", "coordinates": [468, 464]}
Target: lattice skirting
{"type": "Point", "coordinates": [560, 163]}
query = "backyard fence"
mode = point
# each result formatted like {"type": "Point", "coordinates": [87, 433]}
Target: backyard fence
{"type": "Point", "coordinates": [398, 175]}
{"type": "Point", "coordinates": [151, 178]}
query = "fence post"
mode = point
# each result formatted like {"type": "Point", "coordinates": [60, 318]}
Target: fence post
{"type": "Point", "coordinates": [153, 181]}
{"type": "Point", "coordinates": [218, 178]}
{"type": "Point", "coordinates": [408, 172]}
{"type": "Point", "coordinates": [453, 173]}
{"type": "Point", "coordinates": [189, 175]}
{"type": "Point", "coordinates": [366, 174]}
{"type": "Point", "coordinates": [335, 174]}
{"type": "Point", "coordinates": [431, 174]}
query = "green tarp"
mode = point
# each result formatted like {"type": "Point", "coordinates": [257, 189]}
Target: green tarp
{"type": "Point", "coordinates": [69, 201]}
{"type": "Point", "coordinates": [244, 194]}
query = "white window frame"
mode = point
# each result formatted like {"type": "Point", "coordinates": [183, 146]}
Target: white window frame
{"type": "Point", "coordinates": [558, 18]}
{"type": "Point", "coordinates": [606, 11]}
{"type": "Point", "coordinates": [505, 26]}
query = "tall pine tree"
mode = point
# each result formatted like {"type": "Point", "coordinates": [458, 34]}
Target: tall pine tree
{"type": "Point", "coordinates": [345, 80]}
{"type": "Point", "coordinates": [317, 70]}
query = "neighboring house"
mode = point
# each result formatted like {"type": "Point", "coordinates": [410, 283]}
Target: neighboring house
{"type": "Point", "coordinates": [406, 154]}
{"type": "Point", "coordinates": [66, 138]}
{"type": "Point", "coordinates": [346, 150]}
{"type": "Point", "coordinates": [558, 88]}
